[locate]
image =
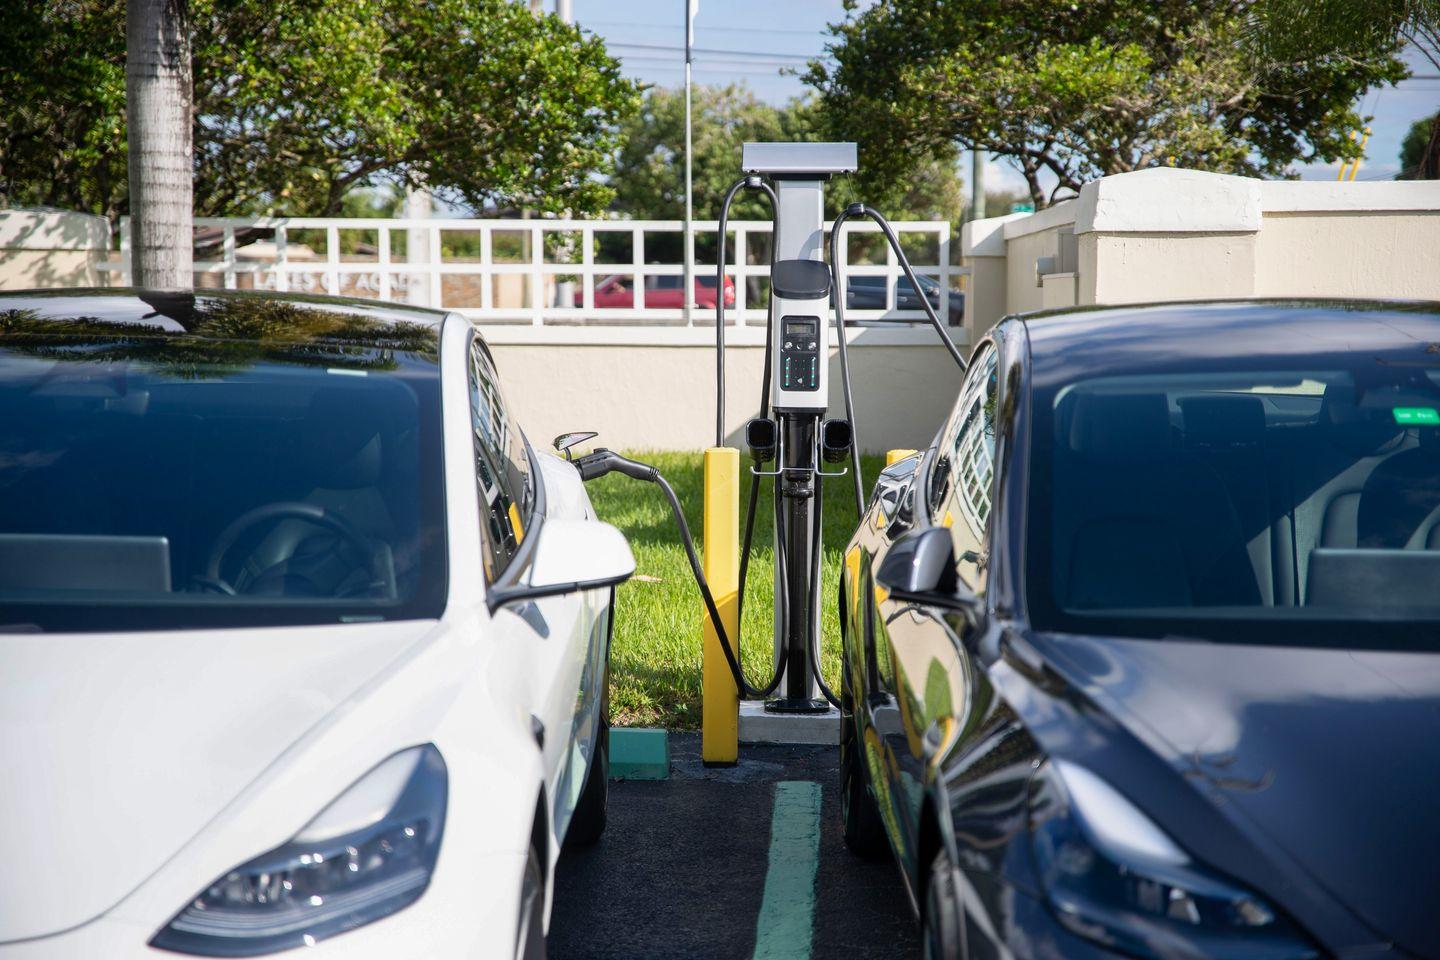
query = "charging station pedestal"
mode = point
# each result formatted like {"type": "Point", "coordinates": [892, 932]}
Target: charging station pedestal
{"type": "Point", "coordinates": [799, 379]}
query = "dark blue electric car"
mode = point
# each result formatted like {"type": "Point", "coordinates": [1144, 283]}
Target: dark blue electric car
{"type": "Point", "coordinates": [1142, 656]}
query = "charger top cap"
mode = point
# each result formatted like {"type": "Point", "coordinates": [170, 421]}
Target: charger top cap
{"type": "Point", "coordinates": [808, 160]}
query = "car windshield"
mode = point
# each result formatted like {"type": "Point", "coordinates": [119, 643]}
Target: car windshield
{"type": "Point", "coordinates": [1278, 506]}
{"type": "Point", "coordinates": [160, 480]}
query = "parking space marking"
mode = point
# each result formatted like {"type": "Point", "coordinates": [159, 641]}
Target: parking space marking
{"type": "Point", "coordinates": [787, 911]}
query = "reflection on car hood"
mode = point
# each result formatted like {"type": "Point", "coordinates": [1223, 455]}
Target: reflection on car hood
{"type": "Point", "coordinates": [119, 748]}
{"type": "Point", "coordinates": [1330, 752]}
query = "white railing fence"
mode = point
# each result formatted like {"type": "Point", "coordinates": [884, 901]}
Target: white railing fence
{"type": "Point", "coordinates": [540, 272]}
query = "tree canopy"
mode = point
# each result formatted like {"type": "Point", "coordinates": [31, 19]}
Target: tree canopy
{"type": "Point", "coordinates": [1078, 91]}
{"type": "Point", "coordinates": [649, 179]}
{"type": "Point", "coordinates": [1348, 29]}
{"type": "Point", "coordinates": [1420, 150]}
{"type": "Point", "coordinates": [298, 102]}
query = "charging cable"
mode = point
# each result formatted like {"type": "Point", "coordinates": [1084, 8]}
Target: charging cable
{"type": "Point", "coordinates": [837, 293]}
{"type": "Point", "coordinates": [603, 461]}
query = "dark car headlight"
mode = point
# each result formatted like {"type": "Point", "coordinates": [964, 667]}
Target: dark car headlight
{"type": "Point", "coordinates": [367, 855]}
{"type": "Point", "coordinates": [1112, 875]}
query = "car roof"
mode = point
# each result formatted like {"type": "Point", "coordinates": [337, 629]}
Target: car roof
{"type": "Point", "coordinates": [185, 312]}
{"type": "Point", "coordinates": [1096, 337]}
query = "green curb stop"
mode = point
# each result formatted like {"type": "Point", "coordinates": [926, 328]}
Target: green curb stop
{"type": "Point", "coordinates": [639, 753]}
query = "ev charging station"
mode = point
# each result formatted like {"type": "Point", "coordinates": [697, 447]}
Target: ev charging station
{"type": "Point", "coordinates": [799, 376]}
{"type": "Point", "coordinates": [791, 441]}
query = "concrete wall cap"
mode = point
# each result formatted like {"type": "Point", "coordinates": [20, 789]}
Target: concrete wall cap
{"type": "Point", "coordinates": [986, 238]}
{"type": "Point", "coordinates": [45, 228]}
{"type": "Point", "coordinates": [1329, 196]}
{"type": "Point", "coordinates": [1169, 200]}
{"type": "Point", "coordinates": [1061, 214]}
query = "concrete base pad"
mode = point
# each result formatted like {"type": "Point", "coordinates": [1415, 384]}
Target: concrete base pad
{"type": "Point", "coordinates": [757, 726]}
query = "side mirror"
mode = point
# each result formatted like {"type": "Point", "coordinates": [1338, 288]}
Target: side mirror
{"type": "Point", "coordinates": [571, 555]}
{"type": "Point", "coordinates": [920, 568]}
{"type": "Point", "coordinates": [565, 441]}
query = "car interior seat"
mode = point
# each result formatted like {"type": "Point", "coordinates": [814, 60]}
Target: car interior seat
{"type": "Point", "coordinates": [345, 441]}
{"type": "Point", "coordinates": [1348, 447]}
{"type": "Point", "coordinates": [1400, 503]}
{"type": "Point", "coordinates": [1227, 433]}
{"type": "Point", "coordinates": [1139, 521]}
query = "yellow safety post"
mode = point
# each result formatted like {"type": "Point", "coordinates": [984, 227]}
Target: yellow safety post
{"type": "Point", "coordinates": [1356, 168]}
{"type": "Point", "coordinates": [895, 456]}
{"type": "Point", "coordinates": [1345, 164]}
{"type": "Point", "coordinates": [720, 699]}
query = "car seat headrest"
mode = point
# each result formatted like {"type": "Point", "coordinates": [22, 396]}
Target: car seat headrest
{"type": "Point", "coordinates": [1121, 427]}
{"type": "Point", "coordinates": [342, 443]}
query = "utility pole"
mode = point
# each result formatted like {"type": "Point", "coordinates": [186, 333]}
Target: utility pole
{"type": "Point", "coordinates": [692, 7]}
{"type": "Point", "coordinates": [161, 156]}
{"type": "Point", "coordinates": [565, 289]}
{"type": "Point", "coordinates": [977, 185]}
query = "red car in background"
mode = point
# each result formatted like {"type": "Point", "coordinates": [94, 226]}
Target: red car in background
{"type": "Point", "coordinates": [618, 291]}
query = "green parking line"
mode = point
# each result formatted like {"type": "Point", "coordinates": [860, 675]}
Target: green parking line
{"type": "Point", "coordinates": [787, 911]}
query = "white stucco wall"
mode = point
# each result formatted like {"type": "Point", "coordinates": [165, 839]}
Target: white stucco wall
{"type": "Point", "coordinates": [41, 247]}
{"type": "Point", "coordinates": [1349, 255]}
{"type": "Point", "coordinates": [1167, 234]}
{"type": "Point", "coordinates": [653, 395]}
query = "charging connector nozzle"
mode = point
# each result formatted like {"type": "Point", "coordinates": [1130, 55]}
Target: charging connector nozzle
{"type": "Point", "coordinates": [602, 461]}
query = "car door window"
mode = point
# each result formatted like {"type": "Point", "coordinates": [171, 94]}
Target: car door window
{"type": "Point", "coordinates": [502, 471]}
{"type": "Point", "coordinates": [965, 467]}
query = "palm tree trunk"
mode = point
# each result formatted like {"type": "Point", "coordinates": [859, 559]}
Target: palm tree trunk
{"type": "Point", "coordinates": [158, 99]}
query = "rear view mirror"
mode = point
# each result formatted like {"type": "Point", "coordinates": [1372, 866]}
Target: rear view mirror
{"type": "Point", "coordinates": [920, 568]}
{"type": "Point", "coordinates": [572, 555]}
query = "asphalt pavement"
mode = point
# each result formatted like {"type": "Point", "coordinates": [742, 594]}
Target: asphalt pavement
{"type": "Point", "coordinates": [688, 866]}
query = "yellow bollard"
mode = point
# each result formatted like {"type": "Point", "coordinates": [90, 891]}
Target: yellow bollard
{"type": "Point", "coordinates": [895, 456]}
{"type": "Point", "coordinates": [720, 700]}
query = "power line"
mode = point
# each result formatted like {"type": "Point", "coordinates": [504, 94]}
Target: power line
{"type": "Point", "coordinates": [698, 28]}
{"type": "Point", "coordinates": [772, 54]}
{"type": "Point", "coordinates": [710, 65]}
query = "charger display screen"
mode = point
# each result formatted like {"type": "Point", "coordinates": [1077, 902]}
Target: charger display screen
{"type": "Point", "coordinates": [800, 354]}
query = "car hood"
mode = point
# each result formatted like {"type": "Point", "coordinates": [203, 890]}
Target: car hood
{"type": "Point", "coordinates": [119, 748]}
{"type": "Point", "coordinates": [1329, 752]}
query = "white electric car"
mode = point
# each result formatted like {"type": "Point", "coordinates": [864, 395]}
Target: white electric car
{"type": "Point", "coordinates": [301, 642]}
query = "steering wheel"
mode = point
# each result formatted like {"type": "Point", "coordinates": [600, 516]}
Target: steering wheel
{"type": "Point", "coordinates": [382, 575]}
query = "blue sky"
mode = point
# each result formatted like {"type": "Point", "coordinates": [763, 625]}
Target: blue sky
{"type": "Point", "coordinates": [753, 41]}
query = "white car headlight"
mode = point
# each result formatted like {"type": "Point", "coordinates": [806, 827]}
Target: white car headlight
{"type": "Point", "coordinates": [367, 855]}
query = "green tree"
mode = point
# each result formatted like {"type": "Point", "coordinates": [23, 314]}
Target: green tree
{"type": "Point", "coordinates": [1319, 30]}
{"type": "Point", "coordinates": [1079, 91]}
{"type": "Point", "coordinates": [299, 102]}
{"type": "Point", "coordinates": [1420, 151]}
{"type": "Point", "coordinates": [649, 179]}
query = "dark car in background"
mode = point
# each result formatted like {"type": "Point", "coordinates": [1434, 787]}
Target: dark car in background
{"type": "Point", "coordinates": [868, 293]}
{"type": "Point", "coordinates": [1142, 655]}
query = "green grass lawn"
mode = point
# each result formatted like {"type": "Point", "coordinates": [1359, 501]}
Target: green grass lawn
{"type": "Point", "coordinates": [655, 660]}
